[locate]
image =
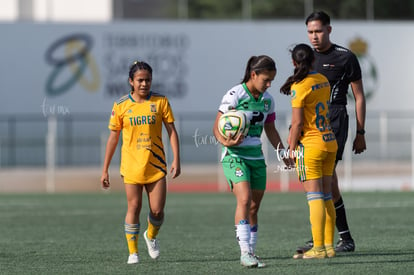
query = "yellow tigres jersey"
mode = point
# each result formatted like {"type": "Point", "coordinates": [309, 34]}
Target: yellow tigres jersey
{"type": "Point", "coordinates": [142, 156]}
{"type": "Point", "coordinates": [312, 94]}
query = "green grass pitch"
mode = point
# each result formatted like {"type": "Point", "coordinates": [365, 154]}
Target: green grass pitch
{"type": "Point", "coordinates": [83, 234]}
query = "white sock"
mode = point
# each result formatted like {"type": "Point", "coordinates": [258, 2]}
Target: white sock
{"type": "Point", "coordinates": [243, 236]}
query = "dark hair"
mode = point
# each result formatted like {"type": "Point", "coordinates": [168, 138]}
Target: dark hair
{"type": "Point", "coordinates": [303, 57]}
{"type": "Point", "coordinates": [139, 65]}
{"type": "Point", "coordinates": [258, 64]}
{"type": "Point", "coordinates": [319, 16]}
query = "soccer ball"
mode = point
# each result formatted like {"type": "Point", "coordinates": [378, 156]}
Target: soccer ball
{"type": "Point", "coordinates": [232, 123]}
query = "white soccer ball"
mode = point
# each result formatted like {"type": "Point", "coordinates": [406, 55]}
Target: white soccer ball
{"type": "Point", "coordinates": [232, 123]}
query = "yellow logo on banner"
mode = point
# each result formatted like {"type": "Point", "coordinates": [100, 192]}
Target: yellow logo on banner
{"type": "Point", "coordinates": [77, 58]}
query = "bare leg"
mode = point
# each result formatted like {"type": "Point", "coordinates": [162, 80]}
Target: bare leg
{"type": "Point", "coordinates": [134, 201]}
{"type": "Point", "coordinates": [157, 193]}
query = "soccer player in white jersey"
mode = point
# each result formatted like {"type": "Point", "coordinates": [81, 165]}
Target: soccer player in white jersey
{"type": "Point", "coordinates": [140, 116]}
{"type": "Point", "coordinates": [242, 157]}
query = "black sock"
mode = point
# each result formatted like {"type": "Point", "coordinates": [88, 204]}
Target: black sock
{"type": "Point", "coordinates": [341, 222]}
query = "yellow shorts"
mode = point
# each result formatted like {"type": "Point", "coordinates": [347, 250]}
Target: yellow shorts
{"type": "Point", "coordinates": [144, 176]}
{"type": "Point", "coordinates": [314, 163]}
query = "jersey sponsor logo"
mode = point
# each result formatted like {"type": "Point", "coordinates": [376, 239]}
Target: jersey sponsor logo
{"type": "Point", "coordinates": [245, 105]}
{"type": "Point", "coordinates": [340, 49]}
{"type": "Point", "coordinates": [328, 137]}
{"type": "Point", "coordinates": [328, 65]}
{"type": "Point", "coordinates": [144, 141]}
{"type": "Point", "coordinates": [320, 86]}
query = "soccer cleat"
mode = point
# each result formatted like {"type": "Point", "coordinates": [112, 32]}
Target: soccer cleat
{"type": "Point", "coordinates": [315, 253]}
{"type": "Point", "coordinates": [133, 259]}
{"type": "Point", "coordinates": [260, 263]}
{"type": "Point", "coordinates": [345, 245]}
{"type": "Point", "coordinates": [302, 249]}
{"type": "Point", "coordinates": [153, 246]}
{"type": "Point", "coordinates": [248, 260]}
{"type": "Point", "coordinates": [330, 251]}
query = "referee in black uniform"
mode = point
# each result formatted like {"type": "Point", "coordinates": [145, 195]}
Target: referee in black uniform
{"type": "Point", "coordinates": [342, 69]}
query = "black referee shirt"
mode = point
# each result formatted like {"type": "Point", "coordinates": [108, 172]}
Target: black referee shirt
{"type": "Point", "coordinates": [341, 67]}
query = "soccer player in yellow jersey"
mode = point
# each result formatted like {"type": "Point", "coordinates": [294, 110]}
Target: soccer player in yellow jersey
{"type": "Point", "coordinates": [140, 116]}
{"type": "Point", "coordinates": [312, 143]}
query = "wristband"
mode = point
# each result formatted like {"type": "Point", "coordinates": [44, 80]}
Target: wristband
{"type": "Point", "coordinates": [361, 132]}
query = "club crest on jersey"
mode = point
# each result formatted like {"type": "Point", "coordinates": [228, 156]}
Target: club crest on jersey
{"type": "Point", "coordinates": [153, 108]}
{"type": "Point", "coordinates": [113, 113]}
{"type": "Point", "coordinates": [238, 172]}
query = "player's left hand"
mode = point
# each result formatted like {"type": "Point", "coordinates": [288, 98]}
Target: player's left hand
{"type": "Point", "coordinates": [359, 145]}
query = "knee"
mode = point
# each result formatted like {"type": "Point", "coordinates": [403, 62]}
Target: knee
{"type": "Point", "coordinates": [157, 214]}
{"type": "Point", "coordinates": [244, 201]}
{"type": "Point", "coordinates": [254, 208]}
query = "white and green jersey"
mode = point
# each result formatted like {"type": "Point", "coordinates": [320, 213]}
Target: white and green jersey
{"type": "Point", "coordinates": [258, 112]}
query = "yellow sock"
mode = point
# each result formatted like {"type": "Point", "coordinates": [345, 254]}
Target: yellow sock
{"type": "Point", "coordinates": [153, 227]}
{"type": "Point", "coordinates": [317, 217]}
{"type": "Point", "coordinates": [330, 221]}
{"type": "Point", "coordinates": [132, 234]}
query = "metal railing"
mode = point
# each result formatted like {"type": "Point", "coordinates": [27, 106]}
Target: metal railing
{"type": "Point", "coordinates": [80, 137]}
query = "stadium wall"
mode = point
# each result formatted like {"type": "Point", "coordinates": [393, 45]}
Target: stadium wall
{"type": "Point", "coordinates": [78, 70]}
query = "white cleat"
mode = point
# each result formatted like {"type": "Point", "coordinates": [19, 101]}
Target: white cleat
{"type": "Point", "coordinates": [260, 263]}
{"type": "Point", "coordinates": [248, 260]}
{"type": "Point", "coordinates": [133, 259]}
{"type": "Point", "coordinates": [153, 247]}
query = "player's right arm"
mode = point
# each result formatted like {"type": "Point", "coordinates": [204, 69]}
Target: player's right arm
{"type": "Point", "coordinates": [296, 129]}
{"type": "Point", "coordinates": [109, 152]}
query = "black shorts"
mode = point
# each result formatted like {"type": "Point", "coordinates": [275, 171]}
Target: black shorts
{"type": "Point", "coordinates": [339, 120]}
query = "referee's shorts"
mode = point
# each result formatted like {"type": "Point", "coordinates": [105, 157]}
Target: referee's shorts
{"type": "Point", "coordinates": [339, 120]}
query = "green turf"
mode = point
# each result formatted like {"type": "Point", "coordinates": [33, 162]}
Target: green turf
{"type": "Point", "coordinates": [83, 234]}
